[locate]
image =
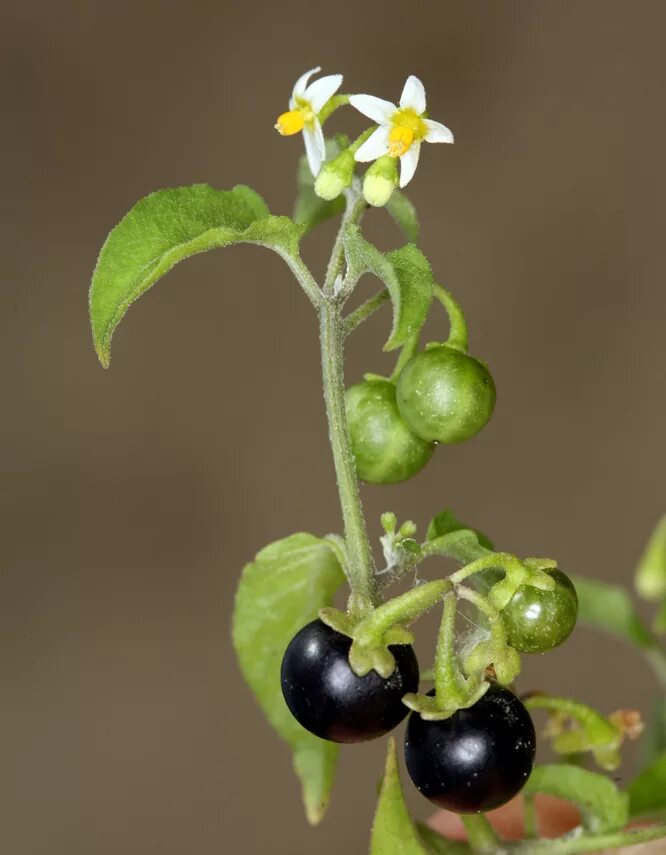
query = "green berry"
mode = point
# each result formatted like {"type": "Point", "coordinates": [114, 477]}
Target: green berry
{"type": "Point", "coordinates": [445, 395]}
{"type": "Point", "coordinates": [536, 620]}
{"type": "Point", "coordinates": [385, 449]}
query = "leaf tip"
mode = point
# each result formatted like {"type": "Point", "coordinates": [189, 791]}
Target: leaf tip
{"type": "Point", "coordinates": [315, 811]}
{"type": "Point", "coordinates": [103, 351]}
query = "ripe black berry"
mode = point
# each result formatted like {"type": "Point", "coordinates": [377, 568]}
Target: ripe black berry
{"type": "Point", "coordinates": [329, 700]}
{"type": "Point", "coordinates": [477, 759]}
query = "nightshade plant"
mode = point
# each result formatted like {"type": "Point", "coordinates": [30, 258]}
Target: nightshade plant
{"type": "Point", "coordinates": [351, 675]}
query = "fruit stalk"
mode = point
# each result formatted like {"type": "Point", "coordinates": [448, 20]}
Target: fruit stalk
{"type": "Point", "coordinates": [480, 833]}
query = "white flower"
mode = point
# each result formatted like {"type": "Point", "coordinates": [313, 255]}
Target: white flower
{"type": "Point", "coordinates": [304, 106]}
{"type": "Point", "coordinates": [401, 129]}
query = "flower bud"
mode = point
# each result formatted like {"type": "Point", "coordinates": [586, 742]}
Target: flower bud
{"type": "Point", "coordinates": [380, 181]}
{"type": "Point", "coordinates": [335, 176]}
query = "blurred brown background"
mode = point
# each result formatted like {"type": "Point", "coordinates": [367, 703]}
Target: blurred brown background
{"type": "Point", "coordinates": [131, 498]}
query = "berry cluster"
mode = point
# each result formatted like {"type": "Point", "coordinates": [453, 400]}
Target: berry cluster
{"type": "Point", "coordinates": [475, 760]}
{"type": "Point", "coordinates": [442, 395]}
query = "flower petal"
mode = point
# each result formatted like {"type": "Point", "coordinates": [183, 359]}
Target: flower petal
{"type": "Point", "coordinates": [315, 147]}
{"type": "Point", "coordinates": [321, 90]}
{"type": "Point", "coordinates": [437, 132]}
{"type": "Point", "coordinates": [413, 95]}
{"type": "Point", "coordinates": [408, 163]}
{"type": "Point", "coordinates": [377, 109]}
{"type": "Point", "coordinates": [375, 146]}
{"type": "Point", "coordinates": [301, 83]}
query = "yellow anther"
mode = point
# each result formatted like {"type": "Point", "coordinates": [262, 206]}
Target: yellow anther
{"type": "Point", "coordinates": [290, 123]}
{"type": "Point", "coordinates": [400, 139]}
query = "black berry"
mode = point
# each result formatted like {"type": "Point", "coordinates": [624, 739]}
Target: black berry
{"type": "Point", "coordinates": [328, 699]}
{"type": "Point", "coordinates": [477, 759]}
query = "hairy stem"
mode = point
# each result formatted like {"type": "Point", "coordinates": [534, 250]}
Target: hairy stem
{"type": "Point", "coordinates": [458, 325]}
{"type": "Point", "coordinates": [365, 310]}
{"type": "Point", "coordinates": [355, 207]}
{"type": "Point", "coordinates": [361, 571]}
{"type": "Point", "coordinates": [573, 843]}
{"type": "Point", "coordinates": [408, 350]}
{"type": "Point", "coordinates": [530, 817]}
{"type": "Point", "coordinates": [448, 679]}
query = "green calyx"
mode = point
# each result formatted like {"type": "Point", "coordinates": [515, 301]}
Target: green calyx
{"type": "Point", "coordinates": [517, 572]}
{"type": "Point", "coordinates": [373, 633]}
{"type": "Point", "coordinates": [335, 176]}
{"type": "Point", "coordinates": [380, 181]}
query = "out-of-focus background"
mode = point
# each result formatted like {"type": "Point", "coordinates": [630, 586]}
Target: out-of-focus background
{"type": "Point", "coordinates": [131, 498]}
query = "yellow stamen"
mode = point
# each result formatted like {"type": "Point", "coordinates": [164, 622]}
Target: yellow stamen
{"type": "Point", "coordinates": [400, 139]}
{"type": "Point", "coordinates": [290, 123]}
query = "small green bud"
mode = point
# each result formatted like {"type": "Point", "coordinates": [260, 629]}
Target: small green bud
{"type": "Point", "coordinates": [380, 181]}
{"type": "Point", "coordinates": [335, 176]}
{"type": "Point", "coordinates": [389, 522]}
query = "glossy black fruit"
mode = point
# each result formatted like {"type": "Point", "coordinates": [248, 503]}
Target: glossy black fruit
{"type": "Point", "coordinates": [328, 699]}
{"type": "Point", "coordinates": [476, 760]}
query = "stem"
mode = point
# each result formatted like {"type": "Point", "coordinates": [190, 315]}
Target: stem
{"type": "Point", "coordinates": [458, 325]}
{"type": "Point", "coordinates": [365, 310]}
{"type": "Point", "coordinates": [586, 716]}
{"type": "Point", "coordinates": [408, 350]}
{"type": "Point", "coordinates": [571, 844]}
{"type": "Point", "coordinates": [361, 566]}
{"type": "Point", "coordinates": [355, 206]}
{"type": "Point", "coordinates": [495, 560]}
{"type": "Point", "coordinates": [480, 833]}
{"type": "Point", "coordinates": [447, 673]}
{"type": "Point", "coordinates": [331, 106]}
{"type": "Point", "coordinates": [401, 610]}
{"type": "Point", "coordinates": [456, 546]}
{"type": "Point", "coordinates": [495, 622]}
{"type": "Point", "coordinates": [361, 569]}
{"type": "Point", "coordinates": [303, 275]}
{"type": "Point", "coordinates": [530, 817]}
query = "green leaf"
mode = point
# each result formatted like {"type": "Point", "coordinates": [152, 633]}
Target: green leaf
{"type": "Point", "coordinates": [653, 741]}
{"type": "Point", "coordinates": [438, 845]}
{"type": "Point", "coordinates": [279, 592]}
{"type": "Point", "coordinates": [650, 579]}
{"type": "Point", "coordinates": [404, 213]}
{"type": "Point", "coordinates": [603, 807]}
{"type": "Point", "coordinates": [446, 522]}
{"type": "Point", "coordinates": [163, 229]}
{"type": "Point", "coordinates": [647, 792]}
{"type": "Point", "coordinates": [609, 607]}
{"type": "Point", "coordinates": [453, 539]}
{"type": "Point", "coordinates": [393, 830]}
{"type": "Point", "coordinates": [659, 622]}
{"type": "Point", "coordinates": [407, 276]}
{"type": "Point", "coordinates": [309, 209]}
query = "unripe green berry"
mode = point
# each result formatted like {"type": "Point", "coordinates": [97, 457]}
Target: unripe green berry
{"type": "Point", "coordinates": [445, 395]}
{"type": "Point", "coordinates": [536, 620]}
{"type": "Point", "coordinates": [384, 448]}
